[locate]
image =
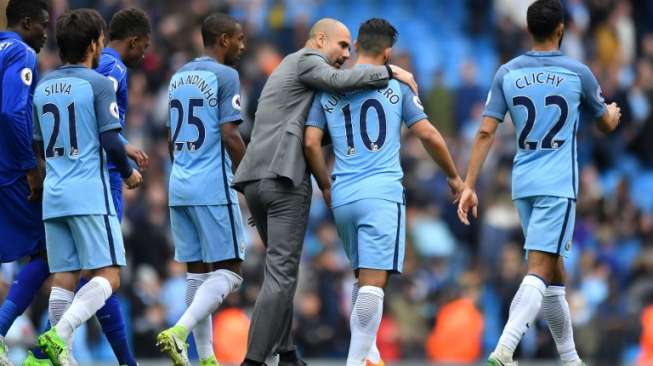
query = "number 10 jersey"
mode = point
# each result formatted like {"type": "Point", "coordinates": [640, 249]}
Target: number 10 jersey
{"type": "Point", "coordinates": [545, 94]}
{"type": "Point", "coordinates": [73, 105]}
{"type": "Point", "coordinates": [365, 130]}
{"type": "Point", "coordinates": [203, 95]}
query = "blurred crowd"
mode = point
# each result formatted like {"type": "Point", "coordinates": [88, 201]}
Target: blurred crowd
{"type": "Point", "coordinates": [458, 281]}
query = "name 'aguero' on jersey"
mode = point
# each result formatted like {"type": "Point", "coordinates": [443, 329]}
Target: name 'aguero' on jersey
{"type": "Point", "coordinates": [365, 130]}
{"type": "Point", "coordinates": [545, 93]}
{"type": "Point", "coordinates": [73, 105]}
{"type": "Point", "coordinates": [203, 94]}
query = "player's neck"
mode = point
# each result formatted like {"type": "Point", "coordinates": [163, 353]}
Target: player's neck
{"type": "Point", "coordinates": [88, 63]}
{"type": "Point", "coordinates": [120, 47]}
{"type": "Point", "coordinates": [369, 60]}
{"type": "Point", "coordinates": [215, 53]}
{"type": "Point", "coordinates": [17, 31]}
{"type": "Point", "coordinates": [546, 46]}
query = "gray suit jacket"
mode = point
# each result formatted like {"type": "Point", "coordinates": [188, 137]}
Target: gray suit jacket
{"type": "Point", "coordinates": [276, 146]}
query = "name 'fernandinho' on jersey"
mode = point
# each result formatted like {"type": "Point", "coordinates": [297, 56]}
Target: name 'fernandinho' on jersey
{"type": "Point", "coordinates": [201, 83]}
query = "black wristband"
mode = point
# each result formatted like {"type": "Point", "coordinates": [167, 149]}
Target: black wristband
{"type": "Point", "coordinates": [390, 75]}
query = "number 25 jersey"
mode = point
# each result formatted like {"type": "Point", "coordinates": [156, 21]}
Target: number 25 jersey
{"type": "Point", "coordinates": [73, 105]}
{"type": "Point", "coordinates": [545, 94]}
{"type": "Point", "coordinates": [203, 95]}
{"type": "Point", "coordinates": [365, 130]}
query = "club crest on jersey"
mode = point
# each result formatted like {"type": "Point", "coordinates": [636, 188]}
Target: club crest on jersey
{"type": "Point", "coordinates": [417, 102]}
{"type": "Point", "coordinates": [235, 102]}
{"type": "Point", "coordinates": [113, 108]}
{"type": "Point", "coordinates": [26, 76]}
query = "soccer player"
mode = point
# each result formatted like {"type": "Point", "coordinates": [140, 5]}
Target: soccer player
{"type": "Point", "coordinates": [78, 124]}
{"type": "Point", "coordinates": [21, 225]}
{"type": "Point", "coordinates": [206, 148]}
{"type": "Point", "coordinates": [545, 93]}
{"type": "Point", "coordinates": [368, 197]}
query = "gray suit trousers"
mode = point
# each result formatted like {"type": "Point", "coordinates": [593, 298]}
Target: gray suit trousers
{"type": "Point", "coordinates": [280, 211]}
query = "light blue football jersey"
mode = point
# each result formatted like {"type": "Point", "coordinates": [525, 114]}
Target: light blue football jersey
{"type": "Point", "coordinates": [73, 105]}
{"type": "Point", "coordinates": [545, 93]}
{"type": "Point", "coordinates": [365, 130]}
{"type": "Point", "coordinates": [203, 95]}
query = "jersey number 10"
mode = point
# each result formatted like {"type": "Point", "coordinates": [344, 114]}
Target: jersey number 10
{"type": "Point", "coordinates": [548, 142]}
{"type": "Point", "coordinates": [373, 146]}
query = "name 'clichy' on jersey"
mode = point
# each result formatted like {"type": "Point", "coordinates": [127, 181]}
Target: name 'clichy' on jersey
{"type": "Point", "coordinates": [203, 95]}
{"type": "Point", "coordinates": [545, 93]}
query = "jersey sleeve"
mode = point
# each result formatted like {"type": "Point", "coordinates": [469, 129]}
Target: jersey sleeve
{"type": "Point", "coordinates": [316, 117]}
{"type": "Point", "coordinates": [106, 108]}
{"type": "Point", "coordinates": [229, 96]}
{"type": "Point", "coordinates": [592, 99]}
{"type": "Point", "coordinates": [496, 106]}
{"type": "Point", "coordinates": [412, 109]}
{"type": "Point", "coordinates": [16, 104]}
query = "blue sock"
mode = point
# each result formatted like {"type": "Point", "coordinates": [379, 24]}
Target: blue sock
{"type": "Point", "coordinates": [22, 291]}
{"type": "Point", "coordinates": [113, 326]}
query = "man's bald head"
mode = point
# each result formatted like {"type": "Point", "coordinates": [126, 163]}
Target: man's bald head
{"type": "Point", "coordinates": [328, 26]}
{"type": "Point", "coordinates": [332, 38]}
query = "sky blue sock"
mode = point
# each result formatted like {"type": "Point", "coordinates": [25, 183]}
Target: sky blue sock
{"type": "Point", "coordinates": [113, 327]}
{"type": "Point", "coordinates": [26, 285]}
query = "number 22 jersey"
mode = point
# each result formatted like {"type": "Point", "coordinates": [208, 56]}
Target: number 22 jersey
{"type": "Point", "coordinates": [545, 94]}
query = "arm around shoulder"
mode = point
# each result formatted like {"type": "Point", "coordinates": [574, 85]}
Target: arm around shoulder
{"type": "Point", "coordinates": [315, 72]}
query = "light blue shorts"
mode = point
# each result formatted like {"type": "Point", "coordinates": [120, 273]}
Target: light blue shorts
{"type": "Point", "coordinates": [84, 242]}
{"type": "Point", "coordinates": [207, 233]}
{"type": "Point", "coordinates": [548, 223]}
{"type": "Point", "coordinates": [373, 232]}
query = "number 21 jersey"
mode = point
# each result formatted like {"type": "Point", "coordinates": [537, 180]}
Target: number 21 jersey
{"type": "Point", "coordinates": [203, 95]}
{"type": "Point", "coordinates": [545, 94]}
{"type": "Point", "coordinates": [73, 105]}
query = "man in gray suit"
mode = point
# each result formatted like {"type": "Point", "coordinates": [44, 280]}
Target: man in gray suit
{"type": "Point", "coordinates": [275, 180]}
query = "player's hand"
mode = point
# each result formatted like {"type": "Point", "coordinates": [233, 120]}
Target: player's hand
{"type": "Point", "coordinates": [457, 186]}
{"type": "Point", "coordinates": [468, 200]}
{"type": "Point", "coordinates": [35, 182]}
{"type": "Point", "coordinates": [326, 193]}
{"type": "Point", "coordinates": [134, 180]}
{"type": "Point", "coordinates": [615, 114]}
{"type": "Point", "coordinates": [139, 156]}
{"type": "Point", "coordinates": [405, 77]}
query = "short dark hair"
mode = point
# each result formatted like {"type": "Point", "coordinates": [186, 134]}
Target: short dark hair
{"type": "Point", "coordinates": [76, 30]}
{"type": "Point", "coordinates": [131, 22]}
{"type": "Point", "coordinates": [375, 35]}
{"type": "Point", "coordinates": [543, 17]}
{"type": "Point", "coordinates": [216, 24]}
{"type": "Point", "coordinates": [18, 10]}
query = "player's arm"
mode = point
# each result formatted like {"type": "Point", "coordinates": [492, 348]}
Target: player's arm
{"type": "Point", "coordinates": [108, 121]}
{"type": "Point", "coordinates": [313, 137]}
{"type": "Point", "coordinates": [315, 160]}
{"type": "Point", "coordinates": [233, 142]}
{"type": "Point", "coordinates": [482, 144]}
{"type": "Point", "coordinates": [315, 71]}
{"type": "Point", "coordinates": [16, 106]}
{"type": "Point", "coordinates": [229, 115]}
{"type": "Point", "coordinates": [495, 110]}
{"type": "Point", "coordinates": [436, 146]}
{"type": "Point", "coordinates": [607, 116]}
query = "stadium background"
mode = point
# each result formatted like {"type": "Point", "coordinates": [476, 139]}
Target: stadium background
{"type": "Point", "coordinates": [452, 301]}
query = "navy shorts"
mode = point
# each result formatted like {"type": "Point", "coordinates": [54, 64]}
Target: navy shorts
{"type": "Point", "coordinates": [21, 223]}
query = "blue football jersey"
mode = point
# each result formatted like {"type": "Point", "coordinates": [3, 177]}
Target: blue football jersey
{"type": "Point", "coordinates": [365, 130]}
{"type": "Point", "coordinates": [203, 95]}
{"type": "Point", "coordinates": [73, 105]}
{"type": "Point", "coordinates": [112, 67]}
{"type": "Point", "coordinates": [545, 93]}
{"type": "Point", "coordinates": [19, 75]}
